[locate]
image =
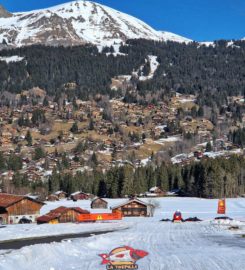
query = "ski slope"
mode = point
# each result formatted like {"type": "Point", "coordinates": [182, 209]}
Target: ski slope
{"type": "Point", "coordinates": [186, 246]}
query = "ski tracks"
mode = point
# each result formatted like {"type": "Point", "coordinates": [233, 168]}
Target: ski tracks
{"type": "Point", "coordinates": [185, 246]}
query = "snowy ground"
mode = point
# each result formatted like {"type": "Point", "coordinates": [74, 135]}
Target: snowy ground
{"type": "Point", "coordinates": [186, 246]}
{"type": "Point", "coordinates": [33, 230]}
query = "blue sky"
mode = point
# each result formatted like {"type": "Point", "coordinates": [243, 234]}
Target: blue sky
{"type": "Point", "coordinates": [196, 19]}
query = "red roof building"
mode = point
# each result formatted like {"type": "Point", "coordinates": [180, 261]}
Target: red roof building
{"type": "Point", "coordinates": [62, 214]}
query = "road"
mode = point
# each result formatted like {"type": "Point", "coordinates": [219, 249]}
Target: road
{"type": "Point", "coordinates": [19, 243]}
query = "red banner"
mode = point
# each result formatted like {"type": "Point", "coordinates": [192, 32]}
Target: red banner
{"type": "Point", "coordinates": [221, 207]}
{"type": "Point", "coordinates": [99, 217]}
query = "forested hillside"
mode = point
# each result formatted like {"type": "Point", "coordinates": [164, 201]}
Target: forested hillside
{"type": "Point", "coordinates": [217, 70]}
{"type": "Point", "coordinates": [211, 178]}
{"type": "Point", "coordinates": [207, 179]}
{"type": "Point", "coordinates": [50, 68]}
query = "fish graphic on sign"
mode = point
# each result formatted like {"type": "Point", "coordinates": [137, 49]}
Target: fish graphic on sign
{"type": "Point", "coordinates": [123, 258]}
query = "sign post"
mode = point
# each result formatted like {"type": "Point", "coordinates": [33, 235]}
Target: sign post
{"type": "Point", "coordinates": [221, 207]}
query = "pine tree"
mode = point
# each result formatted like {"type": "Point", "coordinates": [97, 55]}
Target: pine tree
{"type": "Point", "coordinates": [91, 124]}
{"type": "Point", "coordinates": [128, 181]}
{"type": "Point", "coordinates": [2, 162]}
{"type": "Point", "coordinates": [15, 162]}
{"type": "Point", "coordinates": [65, 161]}
{"type": "Point", "coordinates": [38, 117]}
{"type": "Point", "coordinates": [45, 102]}
{"type": "Point", "coordinates": [39, 153]}
{"type": "Point", "coordinates": [102, 192]}
{"type": "Point", "coordinates": [200, 112]}
{"type": "Point", "coordinates": [94, 159]}
{"type": "Point", "coordinates": [54, 181]}
{"type": "Point", "coordinates": [74, 128]}
{"type": "Point", "coordinates": [28, 138]}
{"type": "Point", "coordinates": [209, 147]}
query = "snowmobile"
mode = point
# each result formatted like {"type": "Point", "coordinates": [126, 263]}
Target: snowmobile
{"type": "Point", "coordinates": [177, 218]}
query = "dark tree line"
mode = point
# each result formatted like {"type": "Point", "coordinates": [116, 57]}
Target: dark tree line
{"type": "Point", "coordinates": [238, 137]}
{"type": "Point", "coordinates": [211, 178]}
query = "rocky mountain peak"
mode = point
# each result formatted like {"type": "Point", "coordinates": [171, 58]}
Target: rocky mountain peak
{"type": "Point", "coordinates": [4, 13]}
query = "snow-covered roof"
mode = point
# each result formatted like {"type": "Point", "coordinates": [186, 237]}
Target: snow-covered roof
{"type": "Point", "coordinates": [79, 192]}
{"type": "Point", "coordinates": [153, 189]}
{"type": "Point", "coordinates": [59, 192]}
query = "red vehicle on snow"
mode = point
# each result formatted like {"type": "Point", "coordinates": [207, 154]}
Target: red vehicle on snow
{"type": "Point", "coordinates": [177, 216]}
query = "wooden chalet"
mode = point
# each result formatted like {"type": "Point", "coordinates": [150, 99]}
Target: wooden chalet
{"type": "Point", "coordinates": [79, 195]}
{"type": "Point", "coordinates": [62, 215]}
{"type": "Point", "coordinates": [134, 208]}
{"type": "Point", "coordinates": [52, 198]}
{"type": "Point", "coordinates": [60, 194]}
{"type": "Point", "coordinates": [99, 203]}
{"type": "Point", "coordinates": [15, 207]}
{"type": "Point", "coordinates": [156, 191]}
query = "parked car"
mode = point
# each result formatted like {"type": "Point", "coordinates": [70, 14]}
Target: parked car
{"type": "Point", "coordinates": [25, 220]}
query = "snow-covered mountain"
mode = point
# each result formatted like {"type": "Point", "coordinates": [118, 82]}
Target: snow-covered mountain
{"type": "Point", "coordinates": [76, 23]}
{"type": "Point", "coordinates": [168, 36]}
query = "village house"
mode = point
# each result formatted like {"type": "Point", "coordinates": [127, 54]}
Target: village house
{"type": "Point", "coordinates": [79, 195]}
{"type": "Point", "coordinates": [62, 215]}
{"type": "Point", "coordinates": [14, 207]}
{"type": "Point", "coordinates": [52, 198]}
{"type": "Point", "coordinates": [134, 208]}
{"type": "Point", "coordinates": [155, 192]}
{"type": "Point", "coordinates": [99, 203]}
{"type": "Point", "coordinates": [60, 195]}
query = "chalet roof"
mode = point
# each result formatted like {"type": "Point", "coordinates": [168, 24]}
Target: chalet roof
{"type": "Point", "coordinates": [62, 209]}
{"type": "Point", "coordinates": [79, 192]}
{"type": "Point", "coordinates": [80, 210]}
{"type": "Point", "coordinates": [59, 192]}
{"type": "Point", "coordinates": [98, 198]}
{"type": "Point", "coordinates": [153, 189]}
{"type": "Point", "coordinates": [7, 200]}
{"type": "Point", "coordinates": [130, 201]}
{"type": "Point", "coordinates": [48, 217]}
{"type": "Point", "coordinates": [59, 210]}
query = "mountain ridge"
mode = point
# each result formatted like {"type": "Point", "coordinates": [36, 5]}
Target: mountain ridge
{"type": "Point", "coordinates": [76, 23]}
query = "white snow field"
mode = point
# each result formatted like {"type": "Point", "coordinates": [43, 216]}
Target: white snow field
{"type": "Point", "coordinates": [187, 246]}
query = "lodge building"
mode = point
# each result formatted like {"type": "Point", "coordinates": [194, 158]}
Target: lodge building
{"type": "Point", "coordinates": [15, 207]}
{"type": "Point", "coordinates": [99, 203]}
{"type": "Point", "coordinates": [134, 208]}
{"type": "Point", "coordinates": [62, 214]}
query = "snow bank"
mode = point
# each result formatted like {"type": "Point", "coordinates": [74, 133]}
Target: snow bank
{"type": "Point", "coordinates": [9, 59]}
{"type": "Point", "coordinates": [154, 64]}
{"type": "Point", "coordinates": [167, 140]}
